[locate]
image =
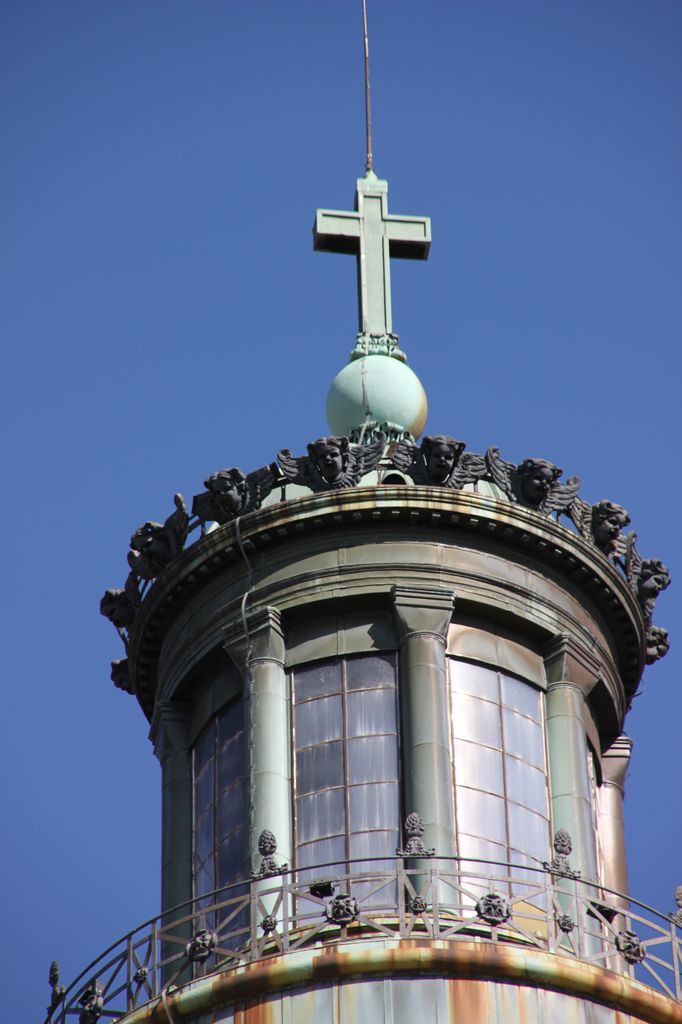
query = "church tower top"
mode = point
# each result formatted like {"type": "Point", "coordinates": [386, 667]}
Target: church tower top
{"type": "Point", "coordinates": [380, 394]}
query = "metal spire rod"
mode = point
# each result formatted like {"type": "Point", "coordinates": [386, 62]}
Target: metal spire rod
{"type": "Point", "coordinates": [368, 110]}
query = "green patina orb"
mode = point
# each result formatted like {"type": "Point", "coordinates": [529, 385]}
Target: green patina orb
{"type": "Point", "coordinates": [380, 391]}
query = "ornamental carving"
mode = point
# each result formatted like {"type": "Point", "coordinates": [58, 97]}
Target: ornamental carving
{"type": "Point", "coordinates": [533, 483]}
{"type": "Point", "coordinates": [57, 990]}
{"type": "Point", "coordinates": [91, 1003]}
{"type": "Point", "coordinates": [653, 577]}
{"type": "Point", "coordinates": [122, 605]}
{"type": "Point", "coordinates": [332, 463]}
{"type": "Point", "coordinates": [229, 493]}
{"type": "Point", "coordinates": [439, 461]}
{"type": "Point", "coordinates": [267, 847]}
{"type": "Point", "coordinates": [414, 830]}
{"type": "Point", "coordinates": [120, 675]}
{"type": "Point", "coordinates": [657, 644]}
{"type": "Point", "coordinates": [201, 945]}
{"type": "Point", "coordinates": [154, 545]}
{"type": "Point", "coordinates": [342, 909]}
{"type": "Point", "coordinates": [629, 944]}
{"type": "Point", "coordinates": [268, 924]}
{"type": "Point", "coordinates": [560, 866]}
{"type": "Point", "coordinates": [493, 908]}
{"type": "Point", "coordinates": [602, 524]}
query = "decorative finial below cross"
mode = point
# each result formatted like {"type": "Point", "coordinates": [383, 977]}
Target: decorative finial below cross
{"type": "Point", "coordinates": [373, 236]}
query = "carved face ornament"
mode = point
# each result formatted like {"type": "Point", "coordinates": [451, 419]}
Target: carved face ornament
{"type": "Point", "coordinates": [537, 477]}
{"type": "Point", "coordinates": [149, 539]}
{"type": "Point", "coordinates": [228, 488]}
{"type": "Point", "coordinates": [657, 644]}
{"type": "Point", "coordinates": [440, 461]}
{"type": "Point", "coordinates": [655, 578]}
{"type": "Point", "coordinates": [329, 460]}
{"type": "Point", "coordinates": [150, 550]}
{"type": "Point", "coordinates": [608, 519]}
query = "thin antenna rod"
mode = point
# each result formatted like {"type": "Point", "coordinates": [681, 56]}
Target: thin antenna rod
{"type": "Point", "coordinates": [369, 162]}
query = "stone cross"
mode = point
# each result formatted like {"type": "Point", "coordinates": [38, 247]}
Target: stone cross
{"type": "Point", "coordinates": [373, 236]}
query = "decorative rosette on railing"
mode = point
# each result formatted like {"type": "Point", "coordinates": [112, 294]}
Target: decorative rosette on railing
{"type": "Point", "coordinates": [465, 901]}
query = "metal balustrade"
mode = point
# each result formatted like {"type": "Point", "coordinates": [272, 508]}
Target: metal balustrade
{"type": "Point", "coordinates": [447, 899]}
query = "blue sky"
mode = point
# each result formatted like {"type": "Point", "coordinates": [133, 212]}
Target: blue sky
{"type": "Point", "coordinates": [163, 315]}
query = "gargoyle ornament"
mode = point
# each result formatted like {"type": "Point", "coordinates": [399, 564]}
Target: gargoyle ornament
{"type": "Point", "coordinates": [230, 494]}
{"type": "Point", "coordinates": [154, 545]}
{"type": "Point", "coordinates": [439, 461]}
{"type": "Point", "coordinates": [533, 483]}
{"type": "Point", "coordinates": [332, 463]}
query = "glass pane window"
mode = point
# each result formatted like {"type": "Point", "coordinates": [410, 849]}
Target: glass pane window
{"type": "Point", "coordinates": [347, 801]}
{"type": "Point", "coordinates": [319, 720]}
{"type": "Point", "coordinates": [499, 766]}
{"type": "Point", "coordinates": [220, 801]}
{"type": "Point", "coordinates": [521, 697]}
{"type": "Point", "coordinates": [523, 737]}
{"type": "Point", "coordinates": [479, 766]}
{"type": "Point", "coordinates": [319, 767]}
{"type": "Point", "coordinates": [476, 720]}
{"type": "Point", "coordinates": [481, 814]}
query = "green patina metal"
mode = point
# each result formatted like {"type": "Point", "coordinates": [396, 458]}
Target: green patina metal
{"type": "Point", "coordinates": [377, 392]}
{"type": "Point", "coordinates": [368, 395]}
{"type": "Point", "coordinates": [370, 233]}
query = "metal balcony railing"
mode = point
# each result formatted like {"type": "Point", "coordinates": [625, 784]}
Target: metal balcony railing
{"type": "Point", "coordinates": [448, 899]}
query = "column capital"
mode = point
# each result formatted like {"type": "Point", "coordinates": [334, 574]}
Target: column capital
{"type": "Point", "coordinates": [424, 611]}
{"type": "Point", "coordinates": [615, 761]}
{"type": "Point", "coordinates": [169, 731]}
{"type": "Point", "coordinates": [566, 660]}
{"type": "Point", "coordinates": [259, 638]}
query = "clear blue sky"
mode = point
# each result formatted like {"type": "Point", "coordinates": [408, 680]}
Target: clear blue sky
{"type": "Point", "coordinates": [163, 315]}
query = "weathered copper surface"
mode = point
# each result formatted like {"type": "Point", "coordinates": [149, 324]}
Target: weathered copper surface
{"type": "Point", "coordinates": [468, 966]}
{"type": "Point", "coordinates": [282, 541]}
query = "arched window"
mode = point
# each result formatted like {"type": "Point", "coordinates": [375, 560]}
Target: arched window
{"type": "Point", "coordinates": [347, 800]}
{"type": "Point", "coordinates": [220, 801]}
{"type": "Point", "coordinates": [500, 766]}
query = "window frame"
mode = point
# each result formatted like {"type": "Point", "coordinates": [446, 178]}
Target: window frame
{"type": "Point", "coordinates": [345, 739]}
{"type": "Point", "coordinates": [512, 854]}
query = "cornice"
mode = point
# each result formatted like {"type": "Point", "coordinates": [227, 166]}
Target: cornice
{"type": "Point", "coordinates": [455, 516]}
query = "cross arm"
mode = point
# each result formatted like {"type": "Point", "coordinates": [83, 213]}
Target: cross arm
{"type": "Point", "coordinates": [409, 238]}
{"type": "Point", "coordinates": [336, 231]}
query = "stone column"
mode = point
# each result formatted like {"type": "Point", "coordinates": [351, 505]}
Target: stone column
{"type": "Point", "coordinates": [615, 763]}
{"type": "Point", "coordinates": [423, 615]}
{"type": "Point", "coordinates": [170, 736]}
{"type": "Point", "coordinates": [260, 651]}
{"type": "Point", "coordinates": [571, 672]}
